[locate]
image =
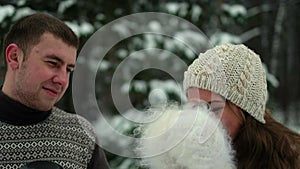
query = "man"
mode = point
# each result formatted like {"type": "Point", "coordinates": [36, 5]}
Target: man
{"type": "Point", "coordinates": [40, 53]}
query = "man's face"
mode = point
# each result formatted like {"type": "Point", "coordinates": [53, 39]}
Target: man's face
{"type": "Point", "coordinates": [43, 77]}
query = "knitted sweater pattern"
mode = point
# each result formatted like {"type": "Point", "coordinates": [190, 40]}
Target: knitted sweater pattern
{"type": "Point", "coordinates": [63, 138]}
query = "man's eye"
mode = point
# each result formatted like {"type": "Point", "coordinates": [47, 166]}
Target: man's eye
{"type": "Point", "coordinates": [70, 70]}
{"type": "Point", "coordinates": [52, 63]}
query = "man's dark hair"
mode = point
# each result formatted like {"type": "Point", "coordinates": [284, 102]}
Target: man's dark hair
{"type": "Point", "coordinates": [27, 32]}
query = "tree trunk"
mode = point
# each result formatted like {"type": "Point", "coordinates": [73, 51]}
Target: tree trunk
{"type": "Point", "coordinates": [293, 59]}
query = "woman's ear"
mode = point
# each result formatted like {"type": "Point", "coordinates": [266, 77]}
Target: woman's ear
{"type": "Point", "coordinates": [13, 55]}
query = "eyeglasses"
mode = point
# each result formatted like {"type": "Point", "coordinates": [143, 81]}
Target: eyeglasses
{"type": "Point", "coordinates": [216, 108]}
{"type": "Point", "coordinates": [193, 103]}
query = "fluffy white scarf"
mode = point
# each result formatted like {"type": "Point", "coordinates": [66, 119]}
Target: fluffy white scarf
{"type": "Point", "coordinates": [186, 138]}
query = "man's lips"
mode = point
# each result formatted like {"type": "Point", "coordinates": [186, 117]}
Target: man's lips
{"type": "Point", "coordinates": [52, 91]}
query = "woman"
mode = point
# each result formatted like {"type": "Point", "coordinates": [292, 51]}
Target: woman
{"type": "Point", "coordinates": [232, 80]}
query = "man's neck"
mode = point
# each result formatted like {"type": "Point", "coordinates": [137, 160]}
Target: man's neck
{"type": "Point", "coordinates": [15, 113]}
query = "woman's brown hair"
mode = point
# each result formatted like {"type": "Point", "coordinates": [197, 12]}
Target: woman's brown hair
{"type": "Point", "coordinates": [267, 146]}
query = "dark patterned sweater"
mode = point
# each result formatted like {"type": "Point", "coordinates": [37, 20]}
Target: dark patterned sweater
{"type": "Point", "coordinates": [28, 135]}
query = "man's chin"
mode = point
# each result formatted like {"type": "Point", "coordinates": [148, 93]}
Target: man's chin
{"type": "Point", "coordinates": [45, 106]}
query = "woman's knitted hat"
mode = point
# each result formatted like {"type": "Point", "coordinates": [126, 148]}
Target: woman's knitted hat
{"type": "Point", "coordinates": [233, 71]}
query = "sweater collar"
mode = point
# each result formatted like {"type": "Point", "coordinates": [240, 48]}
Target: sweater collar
{"type": "Point", "coordinates": [15, 113]}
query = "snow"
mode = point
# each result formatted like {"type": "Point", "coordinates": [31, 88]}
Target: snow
{"type": "Point", "coordinates": [234, 10]}
{"type": "Point", "coordinates": [65, 5]}
{"type": "Point", "coordinates": [100, 16]}
{"type": "Point", "coordinates": [5, 11]}
{"type": "Point", "coordinates": [140, 86]}
{"type": "Point", "coordinates": [183, 11]}
{"type": "Point", "coordinates": [119, 124]}
{"type": "Point", "coordinates": [104, 65]}
{"type": "Point", "coordinates": [123, 28]}
{"type": "Point", "coordinates": [224, 37]}
{"type": "Point", "coordinates": [125, 164]}
{"type": "Point", "coordinates": [157, 97]}
{"type": "Point", "coordinates": [150, 41]}
{"type": "Point", "coordinates": [196, 13]}
{"type": "Point", "coordinates": [83, 28]}
{"type": "Point", "coordinates": [21, 2]}
{"type": "Point", "coordinates": [158, 88]}
{"type": "Point", "coordinates": [271, 78]}
{"type": "Point", "coordinates": [86, 28]}
{"type": "Point", "coordinates": [187, 36]}
{"type": "Point", "coordinates": [75, 28]}
{"type": "Point", "coordinates": [168, 86]}
{"type": "Point", "coordinates": [194, 39]}
{"type": "Point", "coordinates": [8, 10]}
{"type": "Point", "coordinates": [172, 7]}
{"type": "Point", "coordinates": [22, 12]}
{"type": "Point", "coordinates": [292, 124]}
{"type": "Point", "coordinates": [125, 87]}
{"type": "Point", "coordinates": [122, 53]}
{"type": "Point", "coordinates": [155, 26]}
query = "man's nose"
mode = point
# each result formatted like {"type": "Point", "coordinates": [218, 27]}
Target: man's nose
{"type": "Point", "coordinates": [61, 77]}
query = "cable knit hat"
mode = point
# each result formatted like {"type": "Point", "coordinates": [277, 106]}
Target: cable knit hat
{"type": "Point", "coordinates": [233, 71]}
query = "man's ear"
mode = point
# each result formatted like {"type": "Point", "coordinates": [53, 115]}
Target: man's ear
{"type": "Point", "coordinates": [13, 55]}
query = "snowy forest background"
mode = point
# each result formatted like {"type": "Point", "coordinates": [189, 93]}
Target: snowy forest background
{"type": "Point", "coordinates": [269, 27]}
